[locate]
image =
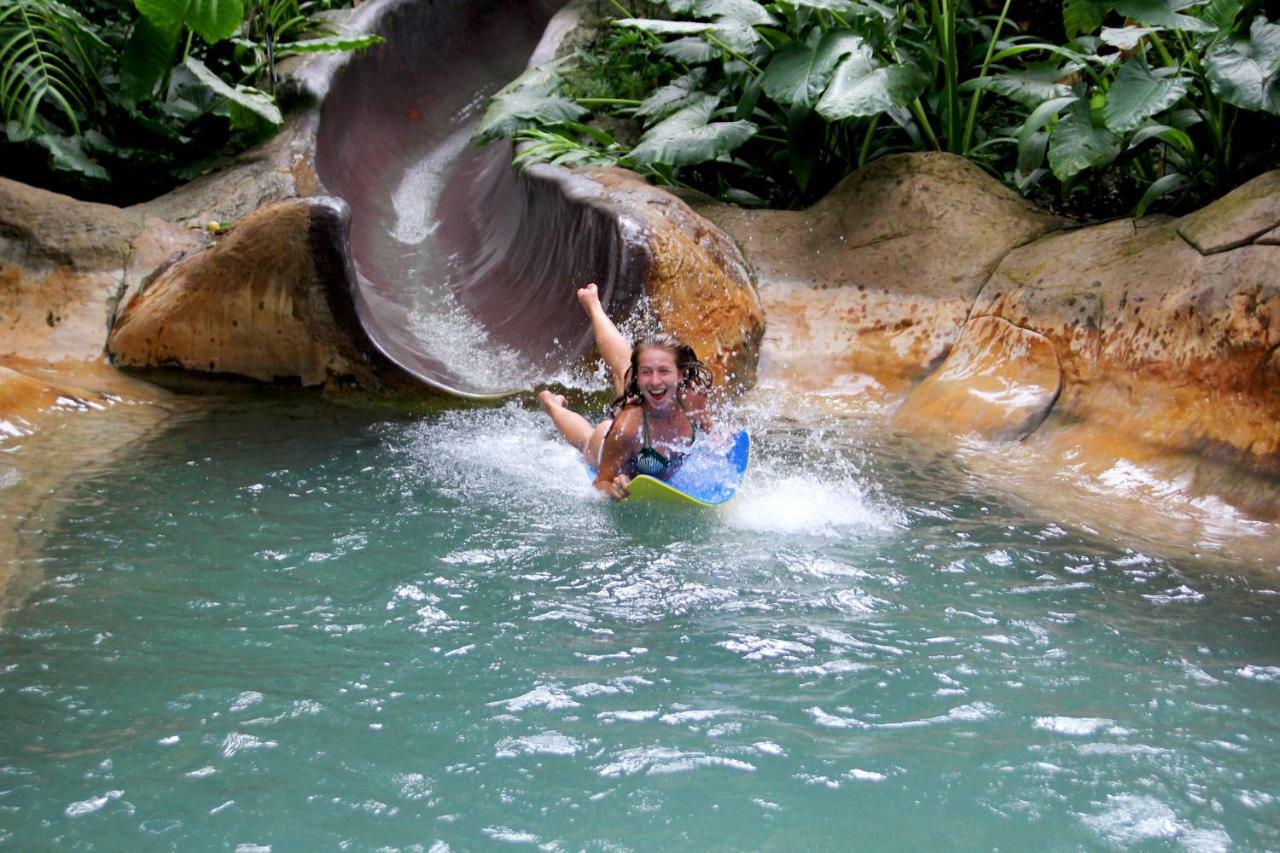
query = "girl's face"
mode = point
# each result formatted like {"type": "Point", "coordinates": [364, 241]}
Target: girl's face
{"type": "Point", "coordinates": [658, 377]}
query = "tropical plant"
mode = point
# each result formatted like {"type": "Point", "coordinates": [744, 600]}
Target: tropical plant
{"type": "Point", "coordinates": [1159, 101]}
{"type": "Point", "coordinates": [772, 102]}
{"type": "Point", "coordinates": [49, 56]}
{"type": "Point", "coordinates": [147, 92]}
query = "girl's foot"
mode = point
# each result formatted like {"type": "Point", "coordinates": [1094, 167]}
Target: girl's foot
{"type": "Point", "coordinates": [550, 401]}
{"type": "Point", "coordinates": [589, 296]}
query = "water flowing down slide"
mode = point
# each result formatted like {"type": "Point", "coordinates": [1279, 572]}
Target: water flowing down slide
{"type": "Point", "coordinates": [465, 268]}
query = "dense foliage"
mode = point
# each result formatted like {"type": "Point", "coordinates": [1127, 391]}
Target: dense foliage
{"type": "Point", "coordinates": [122, 99]}
{"type": "Point", "coordinates": [1118, 105]}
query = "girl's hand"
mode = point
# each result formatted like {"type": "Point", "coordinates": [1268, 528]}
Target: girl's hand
{"type": "Point", "coordinates": [619, 487]}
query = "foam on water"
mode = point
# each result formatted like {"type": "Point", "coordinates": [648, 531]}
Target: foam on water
{"type": "Point", "coordinates": [510, 454]}
{"type": "Point", "coordinates": [514, 453]}
{"type": "Point", "coordinates": [772, 501]}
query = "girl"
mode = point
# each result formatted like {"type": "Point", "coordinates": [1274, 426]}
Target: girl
{"type": "Point", "coordinates": [660, 408]}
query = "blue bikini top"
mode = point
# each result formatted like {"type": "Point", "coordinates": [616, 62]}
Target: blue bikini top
{"type": "Point", "coordinates": [651, 462]}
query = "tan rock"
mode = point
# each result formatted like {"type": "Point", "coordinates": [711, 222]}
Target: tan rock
{"type": "Point", "coordinates": [1236, 219]}
{"type": "Point", "coordinates": [256, 304]}
{"type": "Point", "coordinates": [64, 265]}
{"type": "Point", "coordinates": [698, 283]}
{"type": "Point", "coordinates": [279, 169]}
{"type": "Point", "coordinates": [1157, 341]}
{"type": "Point", "coordinates": [999, 381]}
{"type": "Point", "coordinates": [879, 276]}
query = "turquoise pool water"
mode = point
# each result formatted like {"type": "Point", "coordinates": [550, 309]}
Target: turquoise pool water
{"type": "Point", "coordinates": [294, 627]}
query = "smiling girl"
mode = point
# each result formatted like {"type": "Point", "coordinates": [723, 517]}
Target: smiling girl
{"type": "Point", "coordinates": [660, 409]}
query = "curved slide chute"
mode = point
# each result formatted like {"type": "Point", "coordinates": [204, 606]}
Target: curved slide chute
{"type": "Point", "coordinates": [465, 268]}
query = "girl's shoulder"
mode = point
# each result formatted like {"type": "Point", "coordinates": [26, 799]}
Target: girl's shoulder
{"type": "Point", "coordinates": [626, 423]}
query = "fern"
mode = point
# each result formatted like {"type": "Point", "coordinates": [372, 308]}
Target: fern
{"type": "Point", "coordinates": [46, 65]}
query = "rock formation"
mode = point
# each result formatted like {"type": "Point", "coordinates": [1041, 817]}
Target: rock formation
{"type": "Point", "coordinates": [265, 302]}
{"type": "Point", "coordinates": [989, 318]}
{"type": "Point", "coordinates": [878, 277]}
{"type": "Point", "coordinates": [1166, 330]}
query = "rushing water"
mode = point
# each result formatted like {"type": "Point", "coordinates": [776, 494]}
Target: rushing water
{"type": "Point", "coordinates": [293, 627]}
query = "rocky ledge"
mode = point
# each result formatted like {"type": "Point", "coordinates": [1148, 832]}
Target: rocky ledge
{"type": "Point", "coordinates": [975, 314]}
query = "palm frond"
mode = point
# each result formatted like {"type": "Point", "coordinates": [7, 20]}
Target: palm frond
{"type": "Point", "coordinates": [46, 65]}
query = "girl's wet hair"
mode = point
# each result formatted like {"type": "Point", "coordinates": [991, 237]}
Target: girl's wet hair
{"type": "Point", "coordinates": [692, 372]}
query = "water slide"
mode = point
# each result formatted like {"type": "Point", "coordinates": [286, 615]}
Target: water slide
{"type": "Point", "coordinates": [465, 267]}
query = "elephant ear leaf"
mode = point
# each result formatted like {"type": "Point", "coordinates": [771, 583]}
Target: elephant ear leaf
{"type": "Point", "coordinates": [862, 87]}
{"type": "Point", "coordinates": [677, 94]}
{"type": "Point", "coordinates": [1080, 17]}
{"type": "Point", "coordinates": [526, 102]}
{"type": "Point", "coordinates": [1163, 13]}
{"type": "Point", "coordinates": [216, 20]}
{"type": "Point", "coordinates": [689, 137]}
{"type": "Point", "coordinates": [246, 98]}
{"type": "Point", "coordinates": [1077, 144]}
{"type": "Point", "coordinates": [747, 12]}
{"type": "Point", "coordinates": [212, 20]}
{"type": "Point", "coordinates": [1029, 86]}
{"type": "Point", "coordinates": [798, 74]}
{"type": "Point", "coordinates": [1244, 72]}
{"type": "Point", "coordinates": [1137, 95]}
{"type": "Point", "coordinates": [148, 54]}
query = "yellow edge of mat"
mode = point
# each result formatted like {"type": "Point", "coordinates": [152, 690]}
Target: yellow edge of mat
{"type": "Point", "coordinates": [651, 488]}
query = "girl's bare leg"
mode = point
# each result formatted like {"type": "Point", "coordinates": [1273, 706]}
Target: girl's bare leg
{"type": "Point", "coordinates": [614, 348]}
{"type": "Point", "coordinates": [574, 427]}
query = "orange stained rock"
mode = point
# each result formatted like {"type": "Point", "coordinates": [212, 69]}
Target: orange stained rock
{"type": "Point", "coordinates": [999, 382]}
{"type": "Point", "coordinates": [252, 305]}
{"type": "Point", "coordinates": [698, 282]}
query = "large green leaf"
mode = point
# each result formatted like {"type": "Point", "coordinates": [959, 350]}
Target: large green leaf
{"type": "Point", "coordinates": [862, 87]}
{"type": "Point", "coordinates": [1137, 95]}
{"type": "Point", "coordinates": [526, 102]}
{"type": "Point", "coordinates": [693, 146]}
{"type": "Point", "coordinates": [678, 93]}
{"type": "Point", "coordinates": [1163, 13]}
{"type": "Point", "coordinates": [841, 6]}
{"type": "Point", "coordinates": [67, 155]}
{"type": "Point", "coordinates": [1032, 141]}
{"type": "Point", "coordinates": [1125, 38]}
{"type": "Point", "coordinates": [246, 97]}
{"type": "Point", "coordinates": [737, 36]}
{"type": "Point", "coordinates": [746, 12]}
{"type": "Point", "coordinates": [1165, 133]}
{"type": "Point", "coordinates": [1029, 86]}
{"type": "Point", "coordinates": [216, 20]}
{"type": "Point", "coordinates": [688, 137]}
{"type": "Point", "coordinates": [1223, 13]}
{"type": "Point", "coordinates": [1076, 144]}
{"type": "Point", "coordinates": [148, 54]}
{"type": "Point", "coordinates": [519, 110]}
{"type": "Point", "coordinates": [1159, 188]}
{"type": "Point", "coordinates": [212, 20]}
{"type": "Point", "coordinates": [798, 74]}
{"type": "Point", "coordinates": [690, 51]}
{"type": "Point", "coordinates": [1080, 17]}
{"type": "Point", "coordinates": [1244, 71]}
